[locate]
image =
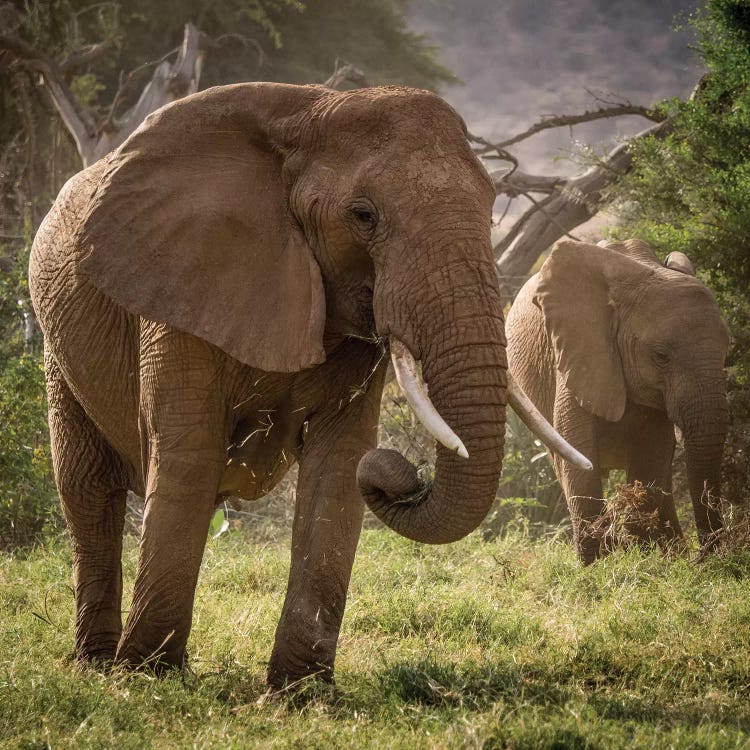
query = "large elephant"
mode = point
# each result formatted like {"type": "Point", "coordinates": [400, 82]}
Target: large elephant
{"type": "Point", "coordinates": [217, 298]}
{"type": "Point", "coordinates": [616, 349]}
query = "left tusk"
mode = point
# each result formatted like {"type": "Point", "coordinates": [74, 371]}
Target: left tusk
{"type": "Point", "coordinates": [416, 394]}
{"type": "Point", "coordinates": [536, 422]}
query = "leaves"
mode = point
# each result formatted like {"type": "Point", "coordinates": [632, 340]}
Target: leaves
{"type": "Point", "coordinates": [691, 192]}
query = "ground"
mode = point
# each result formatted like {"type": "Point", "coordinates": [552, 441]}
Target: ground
{"type": "Point", "coordinates": [506, 643]}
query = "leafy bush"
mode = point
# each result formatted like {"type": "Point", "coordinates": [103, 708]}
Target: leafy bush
{"type": "Point", "coordinates": [691, 192]}
{"type": "Point", "coordinates": [529, 494]}
{"type": "Point", "coordinates": [28, 500]}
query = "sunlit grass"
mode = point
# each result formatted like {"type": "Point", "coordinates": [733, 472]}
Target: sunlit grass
{"type": "Point", "coordinates": [507, 643]}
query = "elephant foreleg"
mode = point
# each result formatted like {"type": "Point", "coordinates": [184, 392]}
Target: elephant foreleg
{"type": "Point", "coordinates": [327, 525]}
{"type": "Point", "coordinates": [183, 421]}
{"type": "Point", "coordinates": [650, 452]}
{"type": "Point", "coordinates": [91, 482]}
{"type": "Point", "coordinates": [583, 489]}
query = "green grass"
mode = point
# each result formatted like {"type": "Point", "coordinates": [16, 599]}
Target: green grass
{"type": "Point", "coordinates": [498, 644]}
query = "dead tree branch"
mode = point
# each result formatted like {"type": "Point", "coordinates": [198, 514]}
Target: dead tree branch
{"type": "Point", "coordinates": [558, 121]}
{"type": "Point", "coordinates": [346, 73]}
{"type": "Point", "coordinates": [515, 182]}
{"type": "Point", "coordinates": [95, 136]}
{"type": "Point", "coordinates": [85, 56]}
{"type": "Point", "coordinates": [569, 203]}
{"type": "Point", "coordinates": [79, 122]}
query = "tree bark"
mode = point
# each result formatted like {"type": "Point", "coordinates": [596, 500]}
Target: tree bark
{"type": "Point", "coordinates": [94, 138]}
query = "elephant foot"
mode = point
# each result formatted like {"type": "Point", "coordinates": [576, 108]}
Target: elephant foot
{"type": "Point", "coordinates": [100, 658]}
{"type": "Point", "coordinates": [156, 660]}
{"type": "Point", "coordinates": [283, 679]}
{"type": "Point", "coordinates": [96, 648]}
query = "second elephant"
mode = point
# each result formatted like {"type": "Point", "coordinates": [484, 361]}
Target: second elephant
{"type": "Point", "coordinates": [616, 349]}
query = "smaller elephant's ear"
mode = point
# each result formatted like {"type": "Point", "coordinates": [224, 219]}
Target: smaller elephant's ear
{"type": "Point", "coordinates": [678, 261]}
{"type": "Point", "coordinates": [578, 290]}
{"type": "Point", "coordinates": [190, 225]}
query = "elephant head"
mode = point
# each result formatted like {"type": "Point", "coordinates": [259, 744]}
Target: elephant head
{"type": "Point", "coordinates": [275, 220]}
{"type": "Point", "coordinates": [625, 326]}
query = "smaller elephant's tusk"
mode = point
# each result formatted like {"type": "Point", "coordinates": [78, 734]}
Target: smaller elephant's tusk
{"type": "Point", "coordinates": [416, 394]}
{"type": "Point", "coordinates": [535, 421]}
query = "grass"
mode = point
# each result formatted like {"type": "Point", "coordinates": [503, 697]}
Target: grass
{"type": "Point", "coordinates": [499, 644]}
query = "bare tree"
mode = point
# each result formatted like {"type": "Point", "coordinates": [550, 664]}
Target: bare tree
{"type": "Point", "coordinates": [558, 204]}
{"type": "Point", "coordinates": [97, 134]}
{"type": "Point", "coordinates": [346, 73]}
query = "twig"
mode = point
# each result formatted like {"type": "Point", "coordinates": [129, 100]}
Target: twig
{"type": "Point", "coordinates": [501, 153]}
{"type": "Point", "coordinates": [557, 121]}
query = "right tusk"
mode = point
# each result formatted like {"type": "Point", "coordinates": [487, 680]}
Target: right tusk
{"type": "Point", "coordinates": [535, 421]}
{"type": "Point", "coordinates": [416, 394]}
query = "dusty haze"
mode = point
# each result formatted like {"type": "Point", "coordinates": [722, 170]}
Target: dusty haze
{"type": "Point", "coordinates": [520, 59]}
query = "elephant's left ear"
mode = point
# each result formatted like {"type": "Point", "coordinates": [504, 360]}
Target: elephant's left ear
{"type": "Point", "coordinates": [191, 226]}
{"type": "Point", "coordinates": [579, 291]}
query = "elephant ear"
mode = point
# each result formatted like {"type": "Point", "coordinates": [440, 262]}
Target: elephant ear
{"type": "Point", "coordinates": [190, 225]}
{"type": "Point", "coordinates": [581, 291]}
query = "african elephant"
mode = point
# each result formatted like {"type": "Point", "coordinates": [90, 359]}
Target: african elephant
{"type": "Point", "coordinates": [217, 299]}
{"type": "Point", "coordinates": [616, 349]}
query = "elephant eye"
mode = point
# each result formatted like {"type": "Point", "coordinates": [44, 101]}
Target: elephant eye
{"type": "Point", "coordinates": [364, 216]}
{"type": "Point", "coordinates": [661, 358]}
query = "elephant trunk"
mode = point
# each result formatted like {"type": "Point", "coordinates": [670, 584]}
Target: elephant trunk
{"type": "Point", "coordinates": [464, 366]}
{"type": "Point", "coordinates": [704, 422]}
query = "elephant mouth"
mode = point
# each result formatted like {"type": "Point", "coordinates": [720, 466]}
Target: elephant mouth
{"type": "Point", "coordinates": [416, 393]}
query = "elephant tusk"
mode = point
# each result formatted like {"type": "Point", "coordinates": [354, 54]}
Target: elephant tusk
{"type": "Point", "coordinates": [535, 421]}
{"type": "Point", "coordinates": [416, 394]}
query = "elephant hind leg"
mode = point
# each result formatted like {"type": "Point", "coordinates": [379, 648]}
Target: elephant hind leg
{"type": "Point", "coordinates": [91, 481]}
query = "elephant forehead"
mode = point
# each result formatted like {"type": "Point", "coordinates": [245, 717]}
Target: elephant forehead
{"type": "Point", "coordinates": [682, 309]}
{"type": "Point", "coordinates": [384, 113]}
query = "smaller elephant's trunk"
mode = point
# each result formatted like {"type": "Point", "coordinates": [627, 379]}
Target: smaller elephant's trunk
{"type": "Point", "coordinates": [704, 425]}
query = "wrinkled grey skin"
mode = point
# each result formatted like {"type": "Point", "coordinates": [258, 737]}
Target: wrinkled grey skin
{"type": "Point", "coordinates": [211, 298]}
{"type": "Point", "coordinates": [616, 349]}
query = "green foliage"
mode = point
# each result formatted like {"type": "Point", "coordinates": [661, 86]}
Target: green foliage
{"type": "Point", "coordinates": [28, 500]}
{"type": "Point", "coordinates": [529, 495]}
{"type": "Point", "coordinates": [506, 644]}
{"type": "Point", "coordinates": [371, 34]}
{"type": "Point", "coordinates": [691, 192]}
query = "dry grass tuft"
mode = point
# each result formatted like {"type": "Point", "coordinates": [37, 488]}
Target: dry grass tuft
{"type": "Point", "coordinates": [734, 537]}
{"type": "Point", "coordinates": [635, 516]}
